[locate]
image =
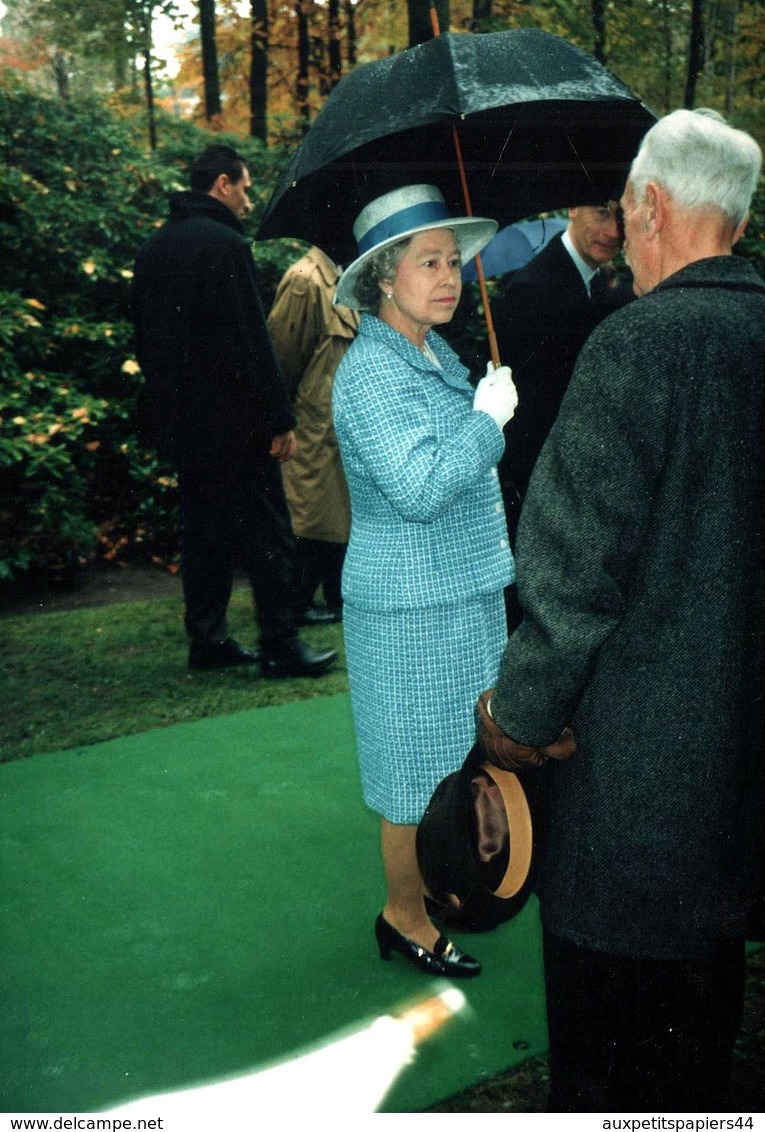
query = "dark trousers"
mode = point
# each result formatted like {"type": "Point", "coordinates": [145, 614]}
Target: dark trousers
{"type": "Point", "coordinates": [512, 499]}
{"type": "Point", "coordinates": [243, 520]}
{"type": "Point", "coordinates": [318, 563]}
{"type": "Point", "coordinates": [642, 1035]}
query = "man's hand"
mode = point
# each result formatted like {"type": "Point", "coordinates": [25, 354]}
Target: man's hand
{"type": "Point", "coordinates": [283, 447]}
{"type": "Point", "coordinates": [504, 752]}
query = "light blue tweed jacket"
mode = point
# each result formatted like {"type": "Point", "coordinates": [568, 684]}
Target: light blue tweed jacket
{"type": "Point", "coordinates": [428, 522]}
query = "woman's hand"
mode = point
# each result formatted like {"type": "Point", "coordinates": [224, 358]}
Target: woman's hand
{"type": "Point", "coordinates": [496, 394]}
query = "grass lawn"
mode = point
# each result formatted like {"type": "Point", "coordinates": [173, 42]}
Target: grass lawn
{"type": "Point", "coordinates": [81, 676]}
{"type": "Point", "coordinates": [77, 677]}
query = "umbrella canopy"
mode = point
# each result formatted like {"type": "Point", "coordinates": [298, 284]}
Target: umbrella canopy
{"type": "Point", "coordinates": [542, 125]}
{"type": "Point", "coordinates": [514, 246]}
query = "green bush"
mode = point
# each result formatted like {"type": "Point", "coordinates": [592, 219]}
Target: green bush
{"type": "Point", "coordinates": [49, 440]}
{"type": "Point", "coordinates": [79, 191]}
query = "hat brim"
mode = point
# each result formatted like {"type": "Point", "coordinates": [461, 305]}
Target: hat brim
{"type": "Point", "coordinates": [490, 889]}
{"type": "Point", "coordinates": [472, 233]}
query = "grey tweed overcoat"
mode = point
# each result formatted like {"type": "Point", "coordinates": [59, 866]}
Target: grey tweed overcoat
{"type": "Point", "coordinates": [640, 562]}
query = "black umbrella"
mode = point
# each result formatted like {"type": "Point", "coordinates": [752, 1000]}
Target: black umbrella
{"type": "Point", "coordinates": [542, 125]}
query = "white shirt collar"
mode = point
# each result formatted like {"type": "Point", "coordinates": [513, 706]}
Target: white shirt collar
{"type": "Point", "coordinates": [587, 273]}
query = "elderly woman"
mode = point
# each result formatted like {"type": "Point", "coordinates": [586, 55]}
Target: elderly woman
{"type": "Point", "coordinates": [428, 556]}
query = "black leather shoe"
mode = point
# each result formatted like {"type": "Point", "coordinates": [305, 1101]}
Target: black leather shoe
{"type": "Point", "coordinates": [320, 615]}
{"type": "Point", "coordinates": [220, 654]}
{"type": "Point", "coordinates": [295, 658]}
{"type": "Point", "coordinates": [445, 959]}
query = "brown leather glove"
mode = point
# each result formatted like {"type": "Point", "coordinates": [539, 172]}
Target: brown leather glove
{"type": "Point", "coordinates": [502, 751]}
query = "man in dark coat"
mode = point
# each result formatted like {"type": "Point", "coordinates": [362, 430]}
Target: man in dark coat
{"type": "Point", "coordinates": [222, 414]}
{"type": "Point", "coordinates": [640, 561]}
{"type": "Point", "coordinates": [542, 318]}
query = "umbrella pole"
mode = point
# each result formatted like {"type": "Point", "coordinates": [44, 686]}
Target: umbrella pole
{"type": "Point", "coordinates": [493, 348]}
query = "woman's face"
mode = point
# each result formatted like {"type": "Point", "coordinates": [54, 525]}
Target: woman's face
{"type": "Point", "coordinates": [426, 287]}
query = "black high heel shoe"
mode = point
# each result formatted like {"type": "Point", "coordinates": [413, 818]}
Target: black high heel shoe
{"type": "Point", "coordinates": [445, 959]}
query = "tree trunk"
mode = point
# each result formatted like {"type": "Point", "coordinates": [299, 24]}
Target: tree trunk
{"type": "Point", "coordinates": [710, 35]}
{"type": "Point", "coordinates": [121, 59]}
{"type": "Point", "coordinates": [258, 69]}
{"type": "Point", "coordinates": [599, 29]}
{"type": "Point", "coordinates": [209, 58]}
{"type": "Point", "coordinates": [149, 88]}
{"type": "Point", "coordinates": [335, 59]}
{"type": "Point", "coordinates": [730, 78]}
{"type": "Point", "coordinates": [146, 15]}
{"type": "Point", "coordinates": [318, 58]}
{"type": "Point", "coordinates": [669, 55]}
{"type": "Point", "coordinates": [350, 32]}
{"type": "Point", "coordinates": [420, 27]}
{"type": "Point", "coordinates": [481, 14]}
{"type": "Point", "coordinates": [301, 86]}
{"type": "Point", "coordinates": [61, 73]}
{"type": "Point", "coordinates": [695, 53]}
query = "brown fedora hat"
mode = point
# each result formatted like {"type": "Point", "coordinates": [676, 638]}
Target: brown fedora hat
{"type": "Point", "coordinates": [476, 844]}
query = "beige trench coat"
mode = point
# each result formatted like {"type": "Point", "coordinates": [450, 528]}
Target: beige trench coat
{"type": "Point", "coordinates": [310, 337]}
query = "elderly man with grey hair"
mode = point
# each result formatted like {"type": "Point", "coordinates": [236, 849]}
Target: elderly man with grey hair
{"type": "Point", "coordinates": [640, 567]}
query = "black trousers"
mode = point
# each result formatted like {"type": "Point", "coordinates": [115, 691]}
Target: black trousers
{"type": "Point", "coordinates": [642, 1035]}
{"type": "Point", "coordinates": [512, 498]}
{"type": "Point", "coordinates": [244, 520]}
{"type": "Point", "coordinates": [318, 563]}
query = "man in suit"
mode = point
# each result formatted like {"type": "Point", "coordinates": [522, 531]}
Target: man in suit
{"type": "Point", "coordinates": [221, 413]}
{"type": "Point", "coordinates": [640, 564]}
{"type": "Point", "coordinates": [542, 319]}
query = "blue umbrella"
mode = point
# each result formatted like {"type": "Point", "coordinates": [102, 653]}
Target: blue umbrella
{"type": "Point", "coordinates": [514, 246]}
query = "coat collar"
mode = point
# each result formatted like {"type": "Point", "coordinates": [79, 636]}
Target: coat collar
{"type": "Point", "coordinates": [732, 272]}
{"type": "Point", "coordinates": [329, 273]}
{"type": "Point", "coordinates": [554, 257]}
{"type": "Point", "coordinates": [453, 372]}
{"type": "Point", "coordinates": [193, 203]}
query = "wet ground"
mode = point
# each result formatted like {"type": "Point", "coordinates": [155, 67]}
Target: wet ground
{"type": "Point", "coordinates": [88, 587]}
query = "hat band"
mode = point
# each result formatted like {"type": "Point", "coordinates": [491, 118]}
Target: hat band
{"type": "Point", "coordinates": [400, 222]}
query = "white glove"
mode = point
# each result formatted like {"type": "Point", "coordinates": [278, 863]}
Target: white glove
{"type": "Point", "coordinates": [496, 394]}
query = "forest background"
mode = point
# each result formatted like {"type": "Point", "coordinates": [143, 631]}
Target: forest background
{"type": "Point", "coordinates": [96, 128]}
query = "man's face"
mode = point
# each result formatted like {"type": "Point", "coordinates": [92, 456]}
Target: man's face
{"type": "Point", "coordinates": [594, 231]}
{"type": "Point", "coordinates": [236, 195]}
{"type": "Point", "coordinates": [636, 247]}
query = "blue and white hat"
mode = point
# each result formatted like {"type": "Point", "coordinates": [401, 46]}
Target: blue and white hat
{"type": "Point", "coordinates": [401, 213]}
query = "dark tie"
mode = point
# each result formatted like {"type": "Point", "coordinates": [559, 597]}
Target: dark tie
{"type": "Point", "coordinates": [598, 286]}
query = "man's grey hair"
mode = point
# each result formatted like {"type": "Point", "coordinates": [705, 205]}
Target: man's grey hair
{"type": "Point", "coordinates": [701, 161]}
{"type": "Point", "coordinates": [384, 265]}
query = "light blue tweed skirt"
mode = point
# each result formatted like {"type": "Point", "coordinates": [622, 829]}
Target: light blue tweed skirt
{"type": "Point", "coordinates": [415, 676]}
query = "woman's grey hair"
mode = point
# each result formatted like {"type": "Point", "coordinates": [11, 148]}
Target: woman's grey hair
{"type": "Point", "coordinates": [701, 160]}
{"type": "Point", "coordinates": [383, 265]}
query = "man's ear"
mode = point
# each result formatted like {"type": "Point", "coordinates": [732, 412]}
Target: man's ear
{"type": "Point", "coordinates": [655, 212]}
{"type": "Point", "coordinates": [220, 186]}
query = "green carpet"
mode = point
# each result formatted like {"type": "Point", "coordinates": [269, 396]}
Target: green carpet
{"type": "Point", "coordinates": [196, 901]}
